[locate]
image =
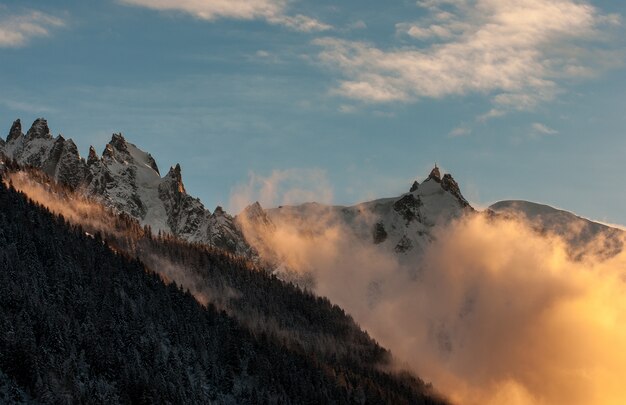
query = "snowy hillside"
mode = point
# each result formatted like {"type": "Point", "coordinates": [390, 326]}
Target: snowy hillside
{"type": "Point", "coordinates": [403, 225]}
{"type": "Point", "coordinates": [582, 235]}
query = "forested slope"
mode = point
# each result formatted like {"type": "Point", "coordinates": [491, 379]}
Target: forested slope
{"type": "Point", "coordinates": [81, 322]}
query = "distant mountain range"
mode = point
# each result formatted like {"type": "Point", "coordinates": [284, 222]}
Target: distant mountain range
{"type": "Point", "coordinates": [128, 180]}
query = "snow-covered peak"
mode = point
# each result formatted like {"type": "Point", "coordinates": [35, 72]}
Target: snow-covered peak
{"type": "Point", "coordinates": [402, 225]}
{"type": "Point", "coordinates": [39, 129]}
{"type": "Point", "coordinates": [127, 179]}
{"type": "Point", "coordinates": [15, 131]}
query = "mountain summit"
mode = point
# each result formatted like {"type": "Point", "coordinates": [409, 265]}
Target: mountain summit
{"type": "Point", "coordinates": [127, 179]}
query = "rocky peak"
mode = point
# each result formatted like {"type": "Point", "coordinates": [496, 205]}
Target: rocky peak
{"type": "Point", "coordinates": [39, 129]}
{"type": "Point", "coordinates": [93, 156]}
{"type": "Point", "coordinates": [254, 217]}
{"type": "Point", "coordinates": [450, 185]}
{"type": "Point", "coordinates": [15, 131]}
{"type": "Point", "coordinates": [119, 143]}
{"type": "Point", "coordinates": [219, 211]}
{"type": "Point", "coordinates": [153, 164]}
{"type": "Point", "coordinates": [435, 174]}
{"type": "Point", "coordinates": [253, 211]}
{"type": "Point", "coordinates": [176, 175]}
{"type": "Point", "coordinates": [108, 152]}
{"type": "Point", "coordinates": [414, 187]}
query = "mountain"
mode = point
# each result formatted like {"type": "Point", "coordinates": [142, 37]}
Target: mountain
{"type": "Point", "coordinates": [105, 314]}
{"type": "Point", "coordinates": [403, 225]}
{"type": "Point", "coordinates": [581, 235]}
{"type": "Point", "coordinates": [127, 179]}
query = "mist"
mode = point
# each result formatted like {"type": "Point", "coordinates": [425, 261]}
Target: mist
{"type": "Point", "coordinates": [494, 312]}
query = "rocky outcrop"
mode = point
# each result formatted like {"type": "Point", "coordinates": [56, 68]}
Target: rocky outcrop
{"type": "Point", "coordinates": [15, 131]}
{"type": "Point", "coordinates": [408, 206]}
{"type": "Point", "coordinates": [434, 174]}
{"type": "Point", "coordinates": [451, 186]}
{"type": "Point", "coordinates": [379, 234]}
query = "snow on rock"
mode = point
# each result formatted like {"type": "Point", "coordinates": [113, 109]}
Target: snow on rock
{"type": "Point", "coordinates": [581, 235]}
{"type": "Point", "coordinates": [402, 225]}
{"type": "Point", "coordinates": [128, 180]}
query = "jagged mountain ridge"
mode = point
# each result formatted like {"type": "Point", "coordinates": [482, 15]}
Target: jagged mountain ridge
{"type": "Point", "coordinates": [403, 225]}
{"type": "Point", "coordinates": [126, 179]}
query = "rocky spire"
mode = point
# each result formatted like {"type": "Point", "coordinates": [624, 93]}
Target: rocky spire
{"type": "Point", "coordinates": [93, 156]}
{"type": "Point", "coordinates": [435, 174]}
{"type": "Point", "coordinates": [414, 186]}
{"type": "Point", "coordinates": [15, 131]}
{"type": "Point", "coordinates": [118, 142]}
{"type": "Point", "coordinates": [176, 175]}
{"type": "Point", "coordinates": [39, 129]}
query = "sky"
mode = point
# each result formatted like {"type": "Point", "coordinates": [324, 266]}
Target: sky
{"type": "Point", "coordinates": [340, 101]}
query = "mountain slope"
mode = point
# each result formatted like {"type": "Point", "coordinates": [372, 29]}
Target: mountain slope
{"type": "Point", "coordinates": [582, 235]}
{"type": "Point", "coordinates": [127, 179]}
{"type": "Point", "coordinates": [81, 323]}
{"type": "Point", "coordinates": [402, 225]}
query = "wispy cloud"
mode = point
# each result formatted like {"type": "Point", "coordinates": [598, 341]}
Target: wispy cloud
{"type": "Point", "coordinates": [539, 129]}
{"type": "Point", "coordinates": [272, 11]}
{"type": "Point", "coordinates": [460, 131]}
{"type": "Point", "coordinates": [26, 106]}
{"type": "Point", "coordinates": [287, 187]}
{"type": "Point", "coordinates": [517, 52]}
{"type": "Point", "coordinates": [17, 30]}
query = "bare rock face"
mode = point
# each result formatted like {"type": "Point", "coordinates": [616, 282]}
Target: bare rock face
{"type": "Point", "coordinates": [451, 186]}
{"type": "Point", "coordinates": [15, 131]}
{"type": "Point", "coordinates": [379, 234]}
{"type": "Point", "coordinates": [408, 206]}
{"type": "Point", "coordinates": [93, 156]}
{"type": "Point", "coordinates": [435, 174]}
{"type": "Point", "coordinates": [185, 214]}
{"type": "Point", "coordinates": [39, 129]}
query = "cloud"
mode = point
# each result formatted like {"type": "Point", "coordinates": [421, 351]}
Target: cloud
{"type": "Point", "coordinates": [272, 11]}
{"type": "Point", "coordinates": [347, 109]}
{"type": "Point", "coordinates": [492, 313]}
{"type": "Point", "coordinates": [357, 25]}
{"type": "Point", "coordinates": [282, 187]}
{"type": "Point", "coordinates": [460, 131]}
{"type": "Point", "coordinates": [539, 129]}
{"type": "Point", "coordinates": [26, 106]}
{"type": "Point", "coordinates": [17, 30]}
{"type": "Point", "coordinates": [517, 52]}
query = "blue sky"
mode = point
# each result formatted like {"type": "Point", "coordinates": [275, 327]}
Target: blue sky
{"type": "Point", "coordinates": [286, 101]}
